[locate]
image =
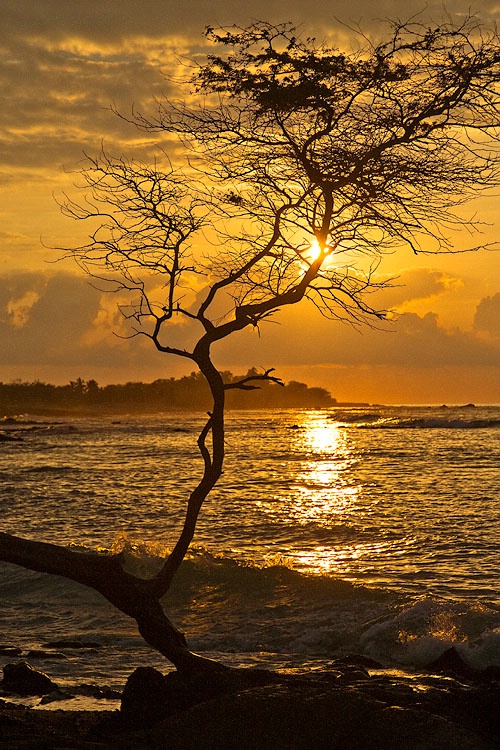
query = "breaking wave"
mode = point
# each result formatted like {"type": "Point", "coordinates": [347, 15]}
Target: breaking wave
{"type": "Point", "coordinates": [270, 612]}
{"type": "Point", "coordinates": [430, 423]}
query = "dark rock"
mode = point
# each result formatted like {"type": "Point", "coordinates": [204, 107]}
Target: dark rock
{"type": "Point", "coordinates": [144, 697]}
{"type": "Point", "coordinates": [22, 679]}
{"type": "Point", "coordinates": [492, 673]}
{"type": "Point", "coordinates": [451, 663]}
{"type": "Point", "coordinates": [357, 660]}
{"type": "Point", "coordinates": [22, 728]}
{"type": "Point", "coordinates": [259, 710]}
{"type": "Point", "coordinates": [341, 709]}
{"type": "Point", "coordinates": [274, 717]}
{"type": "Point", "coordinates": [7, 437]}
{"type": "Point", "coordinates": [353, 674]}
{"type": "Point", "coordinates": [96, 691]}
{"type": "Point", "coordinates": [56, 695]}
{"type": "Point", "coordinates": [336, 709]}
{"type": "Point", "coordinates": [185, 691]}
{"type": "Point", "coordinates": [308, 717]}
{"type": "Point", "coordinates": [149, 696]}
{"type": "Point", "coordinates": [398, 728]}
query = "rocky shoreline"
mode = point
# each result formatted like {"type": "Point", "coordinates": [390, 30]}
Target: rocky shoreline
{"type": "Point", "coordinates": [353, 705]}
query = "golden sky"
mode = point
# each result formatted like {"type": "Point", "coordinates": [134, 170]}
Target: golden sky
{"type": "Point", "coordinates": [63, 64]}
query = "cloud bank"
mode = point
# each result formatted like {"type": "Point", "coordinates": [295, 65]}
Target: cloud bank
{"type": "Point", "coordinates": [62, 319]}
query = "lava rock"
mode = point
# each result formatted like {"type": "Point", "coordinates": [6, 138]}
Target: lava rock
{"type": "Point", "coordinates": [56, 695]}
{"type": "Point", "coordinates": [71, 644]}
{"type": "Point", "coordinates": [144, 697]}
{"type": "Point", "coordinates": [451, 663]}
{"type": "Point", "coordinates": [308, 717]}
{"type": "Point", "coordinates": [149, 696]}
{"type": "Point", "coordinates": [39, 654]}
{"type": "Point", "coordinates": [22, 679]}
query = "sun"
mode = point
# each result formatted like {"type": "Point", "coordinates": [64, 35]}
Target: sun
{"type": "Point", "coordinates": [314, 250]}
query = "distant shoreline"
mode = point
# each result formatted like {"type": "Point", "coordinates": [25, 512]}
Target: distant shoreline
{"type": "Point", "coordinates": [189, 393]}
{"type": "Point", "coordinates": [7, 414]}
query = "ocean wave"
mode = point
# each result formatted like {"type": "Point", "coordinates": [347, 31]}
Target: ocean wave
{"type": "Point", "coordinates": [226, 606]}
{"type": "Point", "coordinates": [354, 417]}
{"type": "Point", "coordinates": [419, 632]}
{"type": "Point", "coordinates": [404, 423]}
{"type": "Point", "coordinates": [51, 469]}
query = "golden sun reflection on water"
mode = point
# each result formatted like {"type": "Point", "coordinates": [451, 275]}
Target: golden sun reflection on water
{"type": "Point", "coordinates": [325, 501]}
{"type": "Point", "coordinates": [340, 559]}
{"type": "Point", "coordinates": [323, 489]}
{"type": "Point", "coordinates": [322, 436]}
{"type": "Point", "coordinates": [323, 494]}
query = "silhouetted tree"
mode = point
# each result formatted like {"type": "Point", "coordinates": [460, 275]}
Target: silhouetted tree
{"type": "Point", "coordinates": [301, 162]}
{"type": "Point", "coordinates": [187, 393]}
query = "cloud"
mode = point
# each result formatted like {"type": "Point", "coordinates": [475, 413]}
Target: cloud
{"type": "Point", "coordinates": [61, 319]}
{"type": "Point", "coordinates": [105, 20]}
{"type": "Point", "coordinates": [487, 317]}
{"type": "Point", "coordinates": [45, 319]}
{"type": "Point", "coordinates": [415, 284]}
{"type": "Point", "coordinates": [64, 62]}
{"type": "Point", "coordinates": [412, 340]}
{"type": "Point", "coordinates": [60, 103]}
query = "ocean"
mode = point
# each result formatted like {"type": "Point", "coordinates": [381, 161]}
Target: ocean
{"type": "Point", "coordinates": [371, 530]}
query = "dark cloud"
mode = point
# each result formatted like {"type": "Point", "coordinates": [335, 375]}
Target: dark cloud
{"type": "Point", "coordinates": [103, 20]}
{"type": "Point", "coordinates": [487, 317]}
{"type": "Point", "coordinates": [64, 62]}
{"type": "Point", "coordinates": [45, 319]}
{"type": "Point", "coordinates": [413, 284]}
{"type": "Point", "coordinates": [59, 105]}
{"type": "Point", "coordinates": [38, 315]}
{"type": "Point", "coordinates": [61, 319]}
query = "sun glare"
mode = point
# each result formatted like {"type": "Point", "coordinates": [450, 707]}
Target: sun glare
{"type": "Point", "coordinates": [323, 437]}
{"type": "Point", "coordinates": [315, 250]}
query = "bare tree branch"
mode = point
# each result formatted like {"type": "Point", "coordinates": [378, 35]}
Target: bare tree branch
{"type": "Point", "coordinates": [244, 384]}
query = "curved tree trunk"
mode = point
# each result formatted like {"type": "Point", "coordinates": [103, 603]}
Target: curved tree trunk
{"type": "Point", "coordinates": [140, 598]}
{"type": "Point", "coordinates": [213, 459]}
{"type": "Point", "coordinates": [133, 596]}
{"type": "Point", "coordinates": [137, 597]}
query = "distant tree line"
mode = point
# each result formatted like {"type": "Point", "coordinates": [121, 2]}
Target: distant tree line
{"type": "Point", "coordinates": [188, 392]}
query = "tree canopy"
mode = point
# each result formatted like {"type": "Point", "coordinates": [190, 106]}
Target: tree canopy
{"type": "Point", "coordinates": [301, 159]}
{"type": "Point", "coordinates": [189, 392]}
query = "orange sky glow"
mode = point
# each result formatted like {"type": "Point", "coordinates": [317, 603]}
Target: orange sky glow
{"type": "Point", "coordinates": [64, 64]}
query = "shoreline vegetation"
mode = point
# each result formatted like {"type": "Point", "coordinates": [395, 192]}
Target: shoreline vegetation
{"type": "Point", "coordinates": [188, 393]}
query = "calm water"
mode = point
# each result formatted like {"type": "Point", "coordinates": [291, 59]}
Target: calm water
{"type": "Point", "coordinates": [373, 530]}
